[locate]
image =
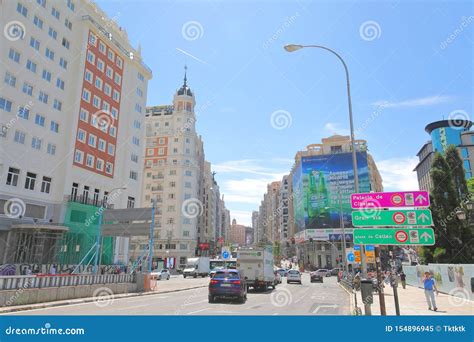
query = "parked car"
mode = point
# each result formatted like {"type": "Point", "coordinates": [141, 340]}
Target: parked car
{"type": "Point", "coordinates": [277, 277]}
{"type": "Point", "coordinates": [283, 272]}
{"type": "Point", "coordinates": [227, 284]}
{"type": "Point", "coordinates": [293, 276]}
{"type": "Point", "coordinates": [161, 274]}
{"type": "Point", "coordinates": [324, 272]}
{"type": "Point", "coordinates": [316, 277]}
{"type": "Point", "coordinates": [334, 271]}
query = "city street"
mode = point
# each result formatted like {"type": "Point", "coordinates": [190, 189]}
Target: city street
{"type": "Point", "coordinates": [287, 299]}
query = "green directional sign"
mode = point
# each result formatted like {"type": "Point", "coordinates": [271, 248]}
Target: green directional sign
{"type": "Point", "coordinates": [383, 218]}
{"type": "Point", "coordinates": [394, 236]}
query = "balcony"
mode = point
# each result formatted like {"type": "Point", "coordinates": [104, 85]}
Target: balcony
{"type": "Point", "coordinates": [157, 177]}
{"type": "Point", "coordinates": [156, 188]}
{"type": "Point", "coordinates": [89, 201]}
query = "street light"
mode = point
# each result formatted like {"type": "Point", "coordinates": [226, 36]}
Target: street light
{"type": "Point", "coordinates": [99, 224]}
{"type": "Point", "coordinates": [296, 47]}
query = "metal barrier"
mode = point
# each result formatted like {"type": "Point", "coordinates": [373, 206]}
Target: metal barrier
{"type": "Point", "coordinates": [33, 281]}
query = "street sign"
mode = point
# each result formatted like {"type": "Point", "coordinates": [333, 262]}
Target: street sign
{"type": "Point", "coordinates": [394, 236]}
{"type": "Point", "coordinates": [370, 254]}
{"type": "Point", "coordinates": [383, 218]}
{"type": "Point", "coordinates": [225, 254]}
{"type": "Point", "coordinates": [350, 257]}
{"type": "Point", "coordinates": [390, 199]}
{"type": "Point", "coordinates": [357, 253]}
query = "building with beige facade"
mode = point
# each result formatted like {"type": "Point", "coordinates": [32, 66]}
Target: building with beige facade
{"type": "Point", "coordinates": [237, 234]}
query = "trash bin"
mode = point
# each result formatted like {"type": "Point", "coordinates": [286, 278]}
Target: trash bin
{"type": "Point", "coordinates": [366, 291]}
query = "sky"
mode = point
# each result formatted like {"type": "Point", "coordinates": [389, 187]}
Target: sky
{"type": "Point", "coordinates": [410, 63]}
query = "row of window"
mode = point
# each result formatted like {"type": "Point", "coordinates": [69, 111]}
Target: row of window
{"type": "Point", "coordinates": [102, 86]}
{"type": "Point", "coordinates": [102, 49]}
{"type": "Point", "coordinates": [95, 121]}
{"type": "Point", "coordinates": [95, 199]}
{"type": "Point", "coordinates": [40, 120]}
{"type": "Point", "coordinates": [92, 162]}
{"type": "Point", "coordinates": [36, 142]}
{"type": "Point", "coordinates": [13, 179]}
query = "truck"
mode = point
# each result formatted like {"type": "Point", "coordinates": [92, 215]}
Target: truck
{"type": "Point", "coordinates": [256, 266]}
{"type": "Point", "coordinates": [196, 267]}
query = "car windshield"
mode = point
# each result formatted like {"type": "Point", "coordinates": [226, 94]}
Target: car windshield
{"type": "Point", "coordinates": [293, 272]}
{"type": "Point", "coordinates": [227, 275]}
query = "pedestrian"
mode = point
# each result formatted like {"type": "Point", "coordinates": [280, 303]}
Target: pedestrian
{"type": "Point", "coordinates": [429, 285]}
{"type": "Point", "coordinates": [28, 271]}
{"type": "Point", "coordinates": [52, 270]}
{"type": "Point", "coordinates": [403, 278]}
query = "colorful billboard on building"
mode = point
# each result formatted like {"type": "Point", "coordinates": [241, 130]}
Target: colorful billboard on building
{"type": "Point", "coordinates": [322, 186]}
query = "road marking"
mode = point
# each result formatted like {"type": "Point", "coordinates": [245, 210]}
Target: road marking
{"type": "Point", "coordinates": [334, 306]}
{"type": "Point", "coordinates": [202, 301]}
{"type": "Point", "coordinates": [193, 312]}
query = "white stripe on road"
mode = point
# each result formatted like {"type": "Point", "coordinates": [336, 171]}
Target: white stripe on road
{"type": "Point", "coordinates": [193, 312]}
{"type": "Point", "coordinates": [324, 306]}
{"type": "Point", "coordinates": [202, 301]}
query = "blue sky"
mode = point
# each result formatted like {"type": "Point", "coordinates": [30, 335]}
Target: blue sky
{"type": "Point", "coordinates": [416, 57]}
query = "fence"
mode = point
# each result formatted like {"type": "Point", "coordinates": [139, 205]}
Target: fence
{"type": "Point", "coordinates": [30, 282]}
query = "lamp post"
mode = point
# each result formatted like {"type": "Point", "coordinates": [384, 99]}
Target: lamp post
{"type": "Point", "coordinates": [99, 224]}
{"type": "Point", "coordinates": [152, 236]}
{"type": "Point", "coordinates": [296, 47]}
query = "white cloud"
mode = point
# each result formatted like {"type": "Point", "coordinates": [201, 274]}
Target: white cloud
{"type": "Point", "coordinates": [418, 102]}
{"type": "Point", "coordinates": [335, 128]}
{"type": "Point", "coordinates": [397, 174]}
{"type": "Point", "coordinates": [254, 166]}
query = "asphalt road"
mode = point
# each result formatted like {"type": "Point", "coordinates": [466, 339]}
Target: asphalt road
{"type": "Point", "coordinates": [287, 299]}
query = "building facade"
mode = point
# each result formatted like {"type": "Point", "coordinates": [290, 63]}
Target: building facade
{"type": "Point", "coordinates": [444, 133]}
{"type": "Point", "coordinates": [71, 111]}
{"type": "Point", "coordinates": [237, 234]}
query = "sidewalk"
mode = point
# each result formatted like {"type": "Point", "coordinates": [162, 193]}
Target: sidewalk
{"type": "Point", "coordinates": [412, 302]}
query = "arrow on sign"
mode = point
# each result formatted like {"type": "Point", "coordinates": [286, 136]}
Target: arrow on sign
{"type": "Point", "coordinates": [425, 236]}
{"type": "Point", "coordinates": [420, 198]}
{"type": "Point", "coordinates": [423, 217]}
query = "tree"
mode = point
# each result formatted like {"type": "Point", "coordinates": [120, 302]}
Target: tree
{"type": "Point", "coordinates": [457, 171]}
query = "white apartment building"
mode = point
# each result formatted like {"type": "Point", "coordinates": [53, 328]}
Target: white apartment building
{"type": "Point", "coordinates": [173, 161]}
{"type": "Point", "coordinates": [72, 110]}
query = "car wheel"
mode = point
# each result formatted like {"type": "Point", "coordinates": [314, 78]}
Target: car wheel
{"type": "Point", "coordinates": [211, 299]}
{"type": "Point", "coordinates": [300, 282]}
{"type": "Point", "coordinates": [195, 275]}
{"type": "Point", "coordinates": [168, 277]}
{"type": "Point", "coordinates": [184, 275]}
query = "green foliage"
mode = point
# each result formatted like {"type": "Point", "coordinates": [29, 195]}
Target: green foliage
{"type": "Point", "coordinates": [453, 159]}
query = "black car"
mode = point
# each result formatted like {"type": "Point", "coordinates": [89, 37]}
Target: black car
{"type": "Point", "coordinates": [316, 277]}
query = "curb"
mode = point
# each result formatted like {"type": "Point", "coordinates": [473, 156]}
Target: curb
{"type": "Point", "coordinates": [88, 300]}
{"type": "Point", "coordinates": [351, 299]}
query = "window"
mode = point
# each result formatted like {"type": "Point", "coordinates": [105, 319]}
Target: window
{"type": "Point", "coordinates": [90, 160]}
{"type": "Point", "coordinates": [100, 64]}
{"type": "Point", "coordinates": [88, 76]}
{"type": "Point", "coordinates": [14, 55]}
{"type": "Point", "coordinates": [86, 95]}
{"type": "Point", "coordinates": [12, 176]}
{"type": "Point", "coordinates": [109, 168]}
{"type": "Point", "coordinates": [34, 43]}
{"type": "Point", "coordinates": [114, 113]}
{"type": "Point", "coordinates": [43, 97]}
{"type": "Point", "coordinates": [63, 63]}
{"type": "Point", "coordinates": [111, 149]}
{"type": "Point", "coordinates": [117, 79]}
{"type": "Point", "coordinates": [90, 57]}
{"type": "Point", "coordinates": [136, 124]}
{"type": "Point", "coordinates": [55, 13]}
{"type": "Point", "coordinates": [10, 79]}
{"type": "Point", "coordinates": [50, 54]}
{"type": "Point", "coordinates": [136, 141]}
{"type": "Point", "coordinates": [119, 62]}
{"type": "Point", "coordinates": [84, 115]}
{"type": "Point", "coordinates": [105, 106]}
{"type": "Point", "coordinates": [173, 184]}
{"type": "Point", "coordinates": [107, 89]}
{"type": "Point", "coordinates": [139, 92]}
{"type": "Point", "coordinates": [109, 72]}
{"type": "Point", "coordinates": [28, 89]}
{"type": "Point", "coordinates": [65, 43]}
{"type": "Point", "coordinates": [112, 131]}
{"type": "Point", "coordinates": [20, 8]}
{"type": "Point", "coordinates": [116, 96]}
{"type": "Point", "coordinates": [161, 151]}
{"type": "Point", "coordinates": [36, 143]}
{"type": "Point", "coordinates": [54, 126]}
{"type": "Point", "coordinates": [51, 149]}
{"type": "Point", "coordinates": [46, 75]}
{"type": "Point", "coordinates": [41, 3]}
{"type": "Point", "coordinates": [30, 181]}
{"type": "Point", "coordinates": [23, 113]}
{"type": "Point", "coordinates": [172, 172]}
{"type": "Point", "coordinates": [140, 77]}
{"type": "Point", "coordinates": [110, 55]}
{"type": "Point", "coordinates": [138, 108]}
{"type": "Point", "coordinates": [57, 105]}
{"type": "Point", "coordinates": [186, 233]}
{"type": "Point", "coordinates": [92, 39]}
{"type": "Point", "coordinates": [5, 104]}
{"type": "Point", "coordinates": [188, 173]}
{"type": "Point", "coordinates": [100, 164]}
{"type": "Point", "coordinates": [38, 22]}
{"type": "Point", "coordinates": [92, 140]}
{"type": "Point", "coordinates": [102, 47]}
{"type": "Point", "coordinates": [81, 135]}
{"type": "Point", "coordinates": [130, 202]}
{"type": "Point", "coordinates": [39, 120]}
{"type": "Point", "coordinates": [68, 24]}
{"type": "Point", "coordinates": [60, 83]}
{"type": "Point", "coordinates": [133, 175]}
{"type": "Point", "coordinates": [31, 66]}
{"type": "Point", "coordinates": [79, 156]}
{"type": "Point", "coordinates": [52, 33]}
{"type": "Point", "coordinates": [98, 83]}
{"type": "Point", "coordinates": [134, 158]}
{"type": "Point", "coordinates": [96, 102]}
{"type": "Point", "coordinates": [46, 184]}
{"type": "Point", "coordinates": [70, 5]}
{"type": "Point", "coordinates": [19, 137]}
{"type": "Point", "coordinates": [187, 184]}
{"type": "Point", "coordinates": [101, 145]}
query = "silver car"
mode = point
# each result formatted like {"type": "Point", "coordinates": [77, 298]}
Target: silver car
{"type": "Point", "coordinates": [293, 276]}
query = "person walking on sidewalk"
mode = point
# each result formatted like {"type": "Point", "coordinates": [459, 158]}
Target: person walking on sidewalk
{"type": "Point", "coordinates": [403, 279]}
{"type": "Point", "coordinates": [429, 285]}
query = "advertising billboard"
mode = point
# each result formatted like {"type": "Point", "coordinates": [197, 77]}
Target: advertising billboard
{"type": "Point", "coordinates": [322, 186]}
